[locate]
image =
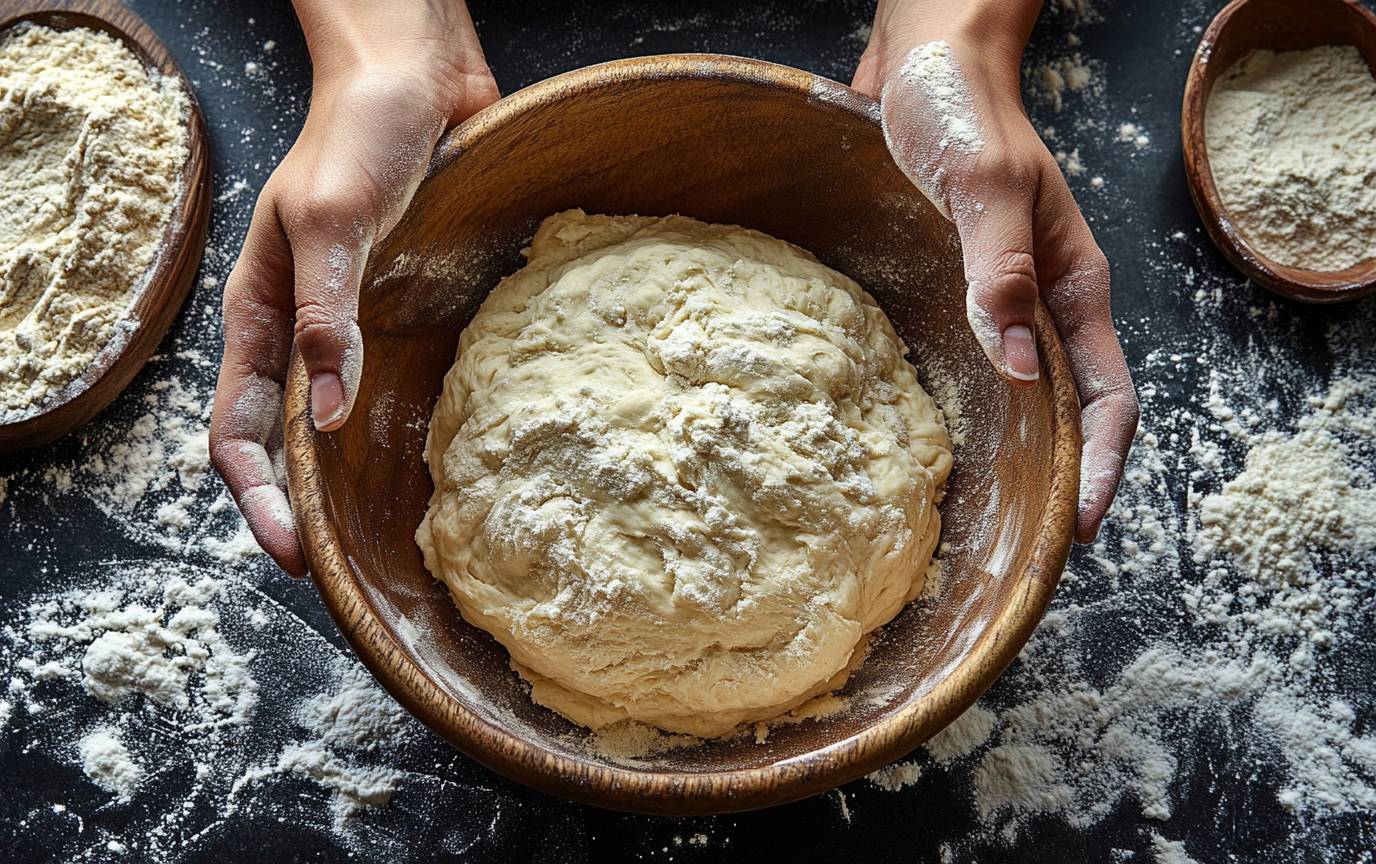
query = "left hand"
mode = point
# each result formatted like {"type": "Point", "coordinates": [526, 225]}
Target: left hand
{"type": "Point", "coordinates": [947, 74]}
{"type": "Point", "coordinates": [384, 88]}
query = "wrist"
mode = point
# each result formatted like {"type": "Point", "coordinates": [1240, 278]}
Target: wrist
{"type": "Point", "coordinates": [433, 48]}
{"type": "Point", "coordinates": [987, 37]}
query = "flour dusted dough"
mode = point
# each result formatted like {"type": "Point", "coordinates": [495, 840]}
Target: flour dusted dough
{"type": "Point", "coordinates": [681, 471]}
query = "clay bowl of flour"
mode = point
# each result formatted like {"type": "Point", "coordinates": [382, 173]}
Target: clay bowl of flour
{"type": "Point", "coordinates": [1242, 27]}
{"type": "Point", "coordinates": [724, 140]}
{"type": "Point", "coordinates": [157, 294]}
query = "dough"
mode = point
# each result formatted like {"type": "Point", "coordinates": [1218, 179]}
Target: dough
{"type": "Point", "coordinates": [681, 471]}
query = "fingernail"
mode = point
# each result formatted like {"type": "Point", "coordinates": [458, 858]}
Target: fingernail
{"type": "Point", "coordinates": [1020, 353]}
{"type": "Point", "coordinates": [327, 400]}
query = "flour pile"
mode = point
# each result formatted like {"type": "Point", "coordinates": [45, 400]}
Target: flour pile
{"type": "Point", "coordinates": [92, 147]}
{"type": "Point", "coordinates": [1292, 147]}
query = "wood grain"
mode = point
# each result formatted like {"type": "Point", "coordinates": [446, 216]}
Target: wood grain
{"type": "Point", "coordinates": [172, 273]}
{"type": "Point", "coordinates": [723, 140]}
{"type": "Point", "coordinates": [1277, 25]}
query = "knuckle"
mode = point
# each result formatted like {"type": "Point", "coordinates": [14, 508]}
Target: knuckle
{"type": "Point", "coordinates": [1010, 278]}
{"type": "Point", "coordinates": [1092, 271]}
{"type": "Point", "coordinates": [221, 451]}
{"type": "Point", "coordinates": [331, 206]}
{"type": "Point", "coordinates": [317, 321]}
{"type": "Point", "coordinates": [1001, 170]}
{"type": "Point", "coordinates": [1132, 413]}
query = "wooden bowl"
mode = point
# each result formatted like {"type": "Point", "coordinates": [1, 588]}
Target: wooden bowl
{"type": "Point", "coordinates": [725, 140]}
{"type": "Point", "coordinates": [1277, 25]}
{"type": "Point", "coordinates": [169, 278]}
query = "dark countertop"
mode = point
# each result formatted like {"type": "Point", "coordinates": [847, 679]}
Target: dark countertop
{"type": "Point", "coordinates": [451, 809]}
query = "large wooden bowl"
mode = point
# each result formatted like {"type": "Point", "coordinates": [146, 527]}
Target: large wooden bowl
{"type": "Point", "coordinates": [1276, 25]}
{"type": "Point", "coordinates": [168, 280]}
{"type": "Point", "coordinates": [725, 140]}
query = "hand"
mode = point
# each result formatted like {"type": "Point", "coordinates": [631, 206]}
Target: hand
{"type": "Point", "coordinates": [385, 88]}
{"type": "Point", "coordinates": [947, 75]}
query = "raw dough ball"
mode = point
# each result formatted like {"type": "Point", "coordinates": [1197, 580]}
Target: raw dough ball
{"type": "Point", "coordinates": [681, 471]}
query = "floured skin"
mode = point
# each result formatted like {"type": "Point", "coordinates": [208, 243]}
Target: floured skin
{"type": "Point", "coordinates": [681, 472]}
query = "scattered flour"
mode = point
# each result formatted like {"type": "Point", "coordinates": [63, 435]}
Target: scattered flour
{"type": "Point", "coordinates": [133, 648]}
{"type": "Point", "coordinates": [1051, 81]}
{"type": "Point", "coordinates": [1292, 147]}
{"type": "Point", "coordinates": [1132, 133]}
{"type": "Point", "coordinates": [897, 776]}
{"type": "Point", "coordinates": [353, 787]}
{"type": "Point", "coordinates": [358, 716]}
{"type": "Point", "coordinates": [106, 761]}
{"type": "Point", "coordinates": [1231, 605]}
{"type": "Point", "coordinates": [1297, 493]}
{"type": "Point", "coordinates": [964, 736]}
{"type": "Point", "coordinates": [1169, 851]}
{"type": "Point", "coordinates": [136, 669]}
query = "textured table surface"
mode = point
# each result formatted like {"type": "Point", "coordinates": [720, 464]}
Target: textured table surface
{"type": "Point", "coordinates": [1188, 322]}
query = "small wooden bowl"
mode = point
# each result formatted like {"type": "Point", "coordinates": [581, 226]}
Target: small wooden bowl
{"type": "Point", "coordinates": [1277, 25]}
{"type": "Point", "coordinates": [169, 278]}
{"type": "Point", "coordinates": [725, 140]}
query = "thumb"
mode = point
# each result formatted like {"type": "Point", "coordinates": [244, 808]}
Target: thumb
{"type": "Point", "coordinates": [1001, 297]}
{"type": "Point", "coordinates": [328, 260]}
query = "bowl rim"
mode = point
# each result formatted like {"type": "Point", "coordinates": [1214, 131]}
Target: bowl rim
{"type": "Point", "coordinates": [1309, 286]}
{"type": "Point", "coordinates": [680, 792]}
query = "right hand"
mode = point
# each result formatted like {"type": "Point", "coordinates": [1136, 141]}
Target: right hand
{"type": "Point", "coordinates": [383, 93]}
{"type": "Point", "coordinates": [1022, 234]}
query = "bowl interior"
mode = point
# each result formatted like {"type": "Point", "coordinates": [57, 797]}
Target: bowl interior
{"type": "Point", "coordinates": [722, 140]}
{"type": "Point", "coordinates": [1276, 25]}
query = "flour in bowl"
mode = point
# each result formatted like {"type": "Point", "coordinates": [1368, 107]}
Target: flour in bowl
{"type": "Point", "coordinates": [92, 147]}
{"type": "Point", "coordinates": [1292, 147]}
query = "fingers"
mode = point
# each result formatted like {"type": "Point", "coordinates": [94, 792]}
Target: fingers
{"type": "Point", "coordinates": [328, 266]}
{"type": "Point", "coordinates": [1079, 302]}
{"type": "Point", "coordinates": [1108, 420]}
{"type": "Point", "coordinates": [1001, 298]}
{"type": "Point", "coordinates": [246, 424]}
{"type": "Point", "coordinates": [361, 176]}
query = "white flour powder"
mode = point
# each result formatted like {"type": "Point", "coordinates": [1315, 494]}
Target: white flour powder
{"type": "Point", "coordinates": [930, 84]}
{"type": "Point", "coordinates": [91, 154]}
{"type": "Point", "coordinates": [357, 716]}
{"type": "Point", "coordinates": [106, 761]}
{"type": "Point", "coordinates": [1292, 147]}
